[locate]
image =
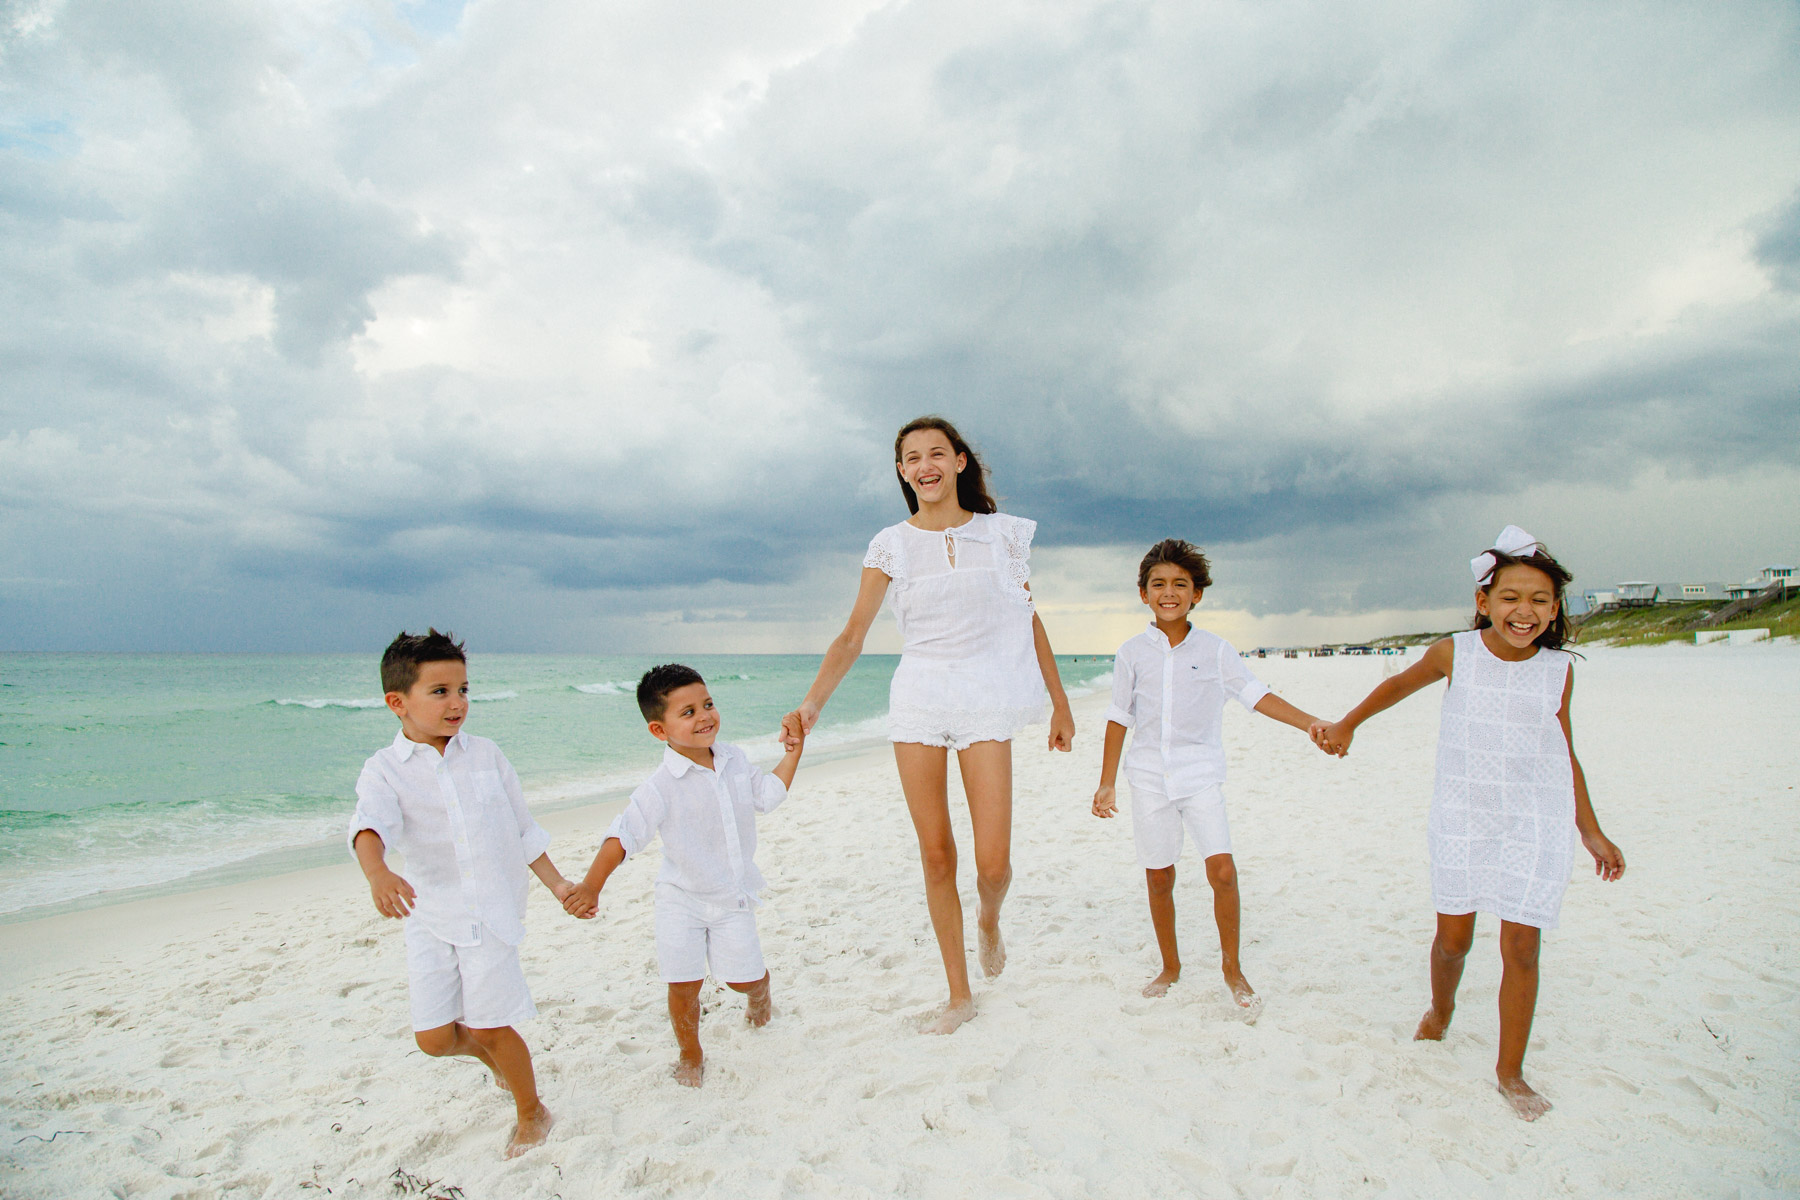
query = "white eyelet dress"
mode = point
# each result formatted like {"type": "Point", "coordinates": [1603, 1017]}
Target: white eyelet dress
{"type": "Point", "coordinates": [1502, 826]}
{"type": "Point", "coordinates": [968, 665]}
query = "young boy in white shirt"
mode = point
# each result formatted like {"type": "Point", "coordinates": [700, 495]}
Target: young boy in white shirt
{"type": "Point", "coordinates": [1170, 684]}
{"type": "Point", "coordinates": [703, 800]}
{"type": "Point", "coordinates": [450, 803]}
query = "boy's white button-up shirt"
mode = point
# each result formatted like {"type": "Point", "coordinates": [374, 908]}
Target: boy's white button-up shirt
{"type": "Point", "coordinates": [707, 821]}
{"type": "Point", "coordinates": [1172, 698]}
{"type": "Point", "coordinates": [460, 821]}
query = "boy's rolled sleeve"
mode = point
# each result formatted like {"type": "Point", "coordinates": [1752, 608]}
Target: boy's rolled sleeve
{"type": "Point", "coordinates": [377, 808]}
{"type": "Point", "coordinates": [636, 826]}
{"type": "Point", "coordinates": [1239, 682]}
{"type": "Point", "coordinates": [1119, 711]}
{"type": "Point", "coordinates": [766, 792]}
{"type": "Point", "coordinates": [534, 839]}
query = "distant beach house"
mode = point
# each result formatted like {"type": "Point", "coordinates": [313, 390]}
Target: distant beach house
{"type": "Point", "coordinates": [1636, 594]}
{"type": "Point", "coordinates": [1778, 573]}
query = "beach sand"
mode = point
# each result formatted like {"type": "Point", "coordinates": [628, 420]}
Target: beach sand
{"type": "Point", "coordinates": [253, 1040]}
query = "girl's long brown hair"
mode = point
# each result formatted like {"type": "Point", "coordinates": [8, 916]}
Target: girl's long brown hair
{"type": "Point", "coordinates": [1557, 633]}
{"type": "Point", "coordinates": [971, 484]}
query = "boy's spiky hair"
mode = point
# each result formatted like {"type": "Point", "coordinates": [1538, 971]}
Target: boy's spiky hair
{"type": "Point", "coordinates": [654, 688]}
{"type": "Point", "coordinates": [1176, 553]}
{"type": "Point", "coordinates": [401, 660]}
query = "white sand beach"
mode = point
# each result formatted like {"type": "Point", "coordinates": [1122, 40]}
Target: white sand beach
{"type": "Point", "coordinates": [253, 1041]}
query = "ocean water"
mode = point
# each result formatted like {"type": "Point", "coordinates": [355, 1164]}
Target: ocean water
{"type": "Point", "coordinates": [173, 771]}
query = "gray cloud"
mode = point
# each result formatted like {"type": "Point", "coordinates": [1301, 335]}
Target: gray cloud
{"type": "Point", "coordinates": [556, 314]}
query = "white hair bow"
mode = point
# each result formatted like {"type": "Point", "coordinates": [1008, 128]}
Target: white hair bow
{"type": "Point", "coordinates": [1513, 541]}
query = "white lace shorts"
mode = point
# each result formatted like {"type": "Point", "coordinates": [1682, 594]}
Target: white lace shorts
{"type": "Point", "coordinates": [482, 985]}
{"type": "Point", "coordinates": [958, 730]}
{"type": "Point", "coordinates": [692, 934]}
{"type": "Point", "coordinates": [1157, 821]}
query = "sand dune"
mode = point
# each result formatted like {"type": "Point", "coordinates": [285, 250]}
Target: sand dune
{"type": "Point", "coordinates": [255, 1042]}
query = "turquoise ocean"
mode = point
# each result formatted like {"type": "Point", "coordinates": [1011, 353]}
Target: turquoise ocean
{"type": "Point", "coordinates": [128, 774]}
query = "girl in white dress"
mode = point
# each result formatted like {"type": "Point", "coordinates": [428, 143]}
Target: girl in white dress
{"type": "Point", "coordinates": [1510, 793]}
{"type": "Point", "coordinates": [975, 668]}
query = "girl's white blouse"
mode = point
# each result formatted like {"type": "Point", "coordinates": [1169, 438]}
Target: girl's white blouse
{"type": "Point", "coordinates": [968, 664]}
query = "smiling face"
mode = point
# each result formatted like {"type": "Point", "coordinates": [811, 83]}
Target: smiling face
{"type": "Point", "coordinates": [1170, 593]}
{"type": "Point", "coordinates": [929, 464]}
{"type": "Point", "coordinates": [433, 708]}
{"type": "Point", "coordinates": [1521, 603]}
{"type": "Point", "coordinates": [690, 723]}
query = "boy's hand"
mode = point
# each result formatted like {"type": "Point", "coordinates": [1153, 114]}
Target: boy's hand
{"type": "Point", "coordinates": [796, 725]}
{"type": "Point", "coordinates": [581, 901]}
{"type": "Point", "coordinates": [1105, 801]}
{"type": "Point", "coordinates": [1331, 737]}
{"type": "Point", "coordinates": [561, 889]}
{"type": "Point", "coordinates": [394, 897]}
{"type": "Point", "coordinates": [1609, 861]}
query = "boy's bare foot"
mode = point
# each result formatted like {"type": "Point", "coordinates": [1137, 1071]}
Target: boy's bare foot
{"type": "Point", "coordinates": [1432, 1026]}
{"type": "Point", "coordinates": [1160, 985]}
{"type": "Point", "coordinates": [759, 1006]}
{"type": "Point", "coordinates": [1242, 994]}
{"type": "Point", "coordinates": [688, 1072]}
{"type": "Point", "coordinates": [530, 1131]}
{"type": "Point", "coordinates": [990, 949]}
{"type": "Point", "coordinates": [1527, 1103]}
{"type": "Point", "coordinates": [947, 1019]}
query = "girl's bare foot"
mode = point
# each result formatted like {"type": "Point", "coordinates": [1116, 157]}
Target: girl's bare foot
{"type": "Point", "coordinates": [1242, 994]}
{"type": "Point", "coordinates": [688, 1072]}
{"type": "Point", "coordinates": [947, 1019]}
{"type": "Point", "coordinates": [1527, 1103]}
{"type": "Point", "coordinates": [990, 949]}
{"type": "Point", "coordinates": [1432, 1026]}
{"type": "Point", "coordinates": [530, 1131]}
{"type": "Point", "coordinates": [1160, 985]}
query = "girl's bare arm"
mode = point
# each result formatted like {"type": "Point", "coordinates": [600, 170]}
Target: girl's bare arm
{"type": "Point", "coordinates": [1062, 721]}
{"type": "Point", "coordinates": [840, 656]}
{"type": "Point", "coordinates": [1433, 665]}
{"type": "Point", "coordinates": [1609, 861]}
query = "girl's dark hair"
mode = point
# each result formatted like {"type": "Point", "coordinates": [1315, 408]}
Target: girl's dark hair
{"type": "Point", "coordinates": [971, 485]}
{"type": "Point", "coordinates": [1176, 553]}
{"type": "Point", "coordinates": [1557, 633]}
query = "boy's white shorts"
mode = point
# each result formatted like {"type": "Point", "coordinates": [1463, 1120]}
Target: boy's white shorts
{"type": "Point", "coordinates": [691, 933]}
{"type": "Point", "coordinates": [482, 985]}
{"type": "Point", "coordinates": [1156, 823]}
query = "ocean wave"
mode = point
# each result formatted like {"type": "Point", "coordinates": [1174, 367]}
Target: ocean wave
{"type": "Point", "coordinates": [377, 702]}
{"type": "Point", "coordinates": [484, 697]}
{"type": "Point", "coordinates": [605, 689]}
{"type": "Point", "coordinates": [1088, 687]}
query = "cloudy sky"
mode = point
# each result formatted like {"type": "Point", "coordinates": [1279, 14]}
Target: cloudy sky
{"type": "Point", "coordinates": [586, 325]}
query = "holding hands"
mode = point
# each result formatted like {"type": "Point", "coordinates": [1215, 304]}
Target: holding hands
{"type": "Point", "coordinates": [581, 901]}
{"type": "Point", "coordinates": [797, 724]}
{"type": "Point", "coordinates": [1333, 737]}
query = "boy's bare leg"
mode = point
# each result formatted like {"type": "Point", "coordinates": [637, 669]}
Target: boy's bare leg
{"type": "Point", "coordinates": [1221, 873]}
{"type": "Point", "coordinates": [1161, 884]}
{"type": "Point", "coordinates": [923, 779]}
{"type": "Point", "coordinates": [453, 1039]}
{"type": "Point", "coordinates": [987, 781]}
{"type": "Point", "coordinates": [507, 1051]}
{"type": "Point", "coordinates": [1449, 950]}
{"type": "Point", "coordinates": [759, 1008]}
{"type": "Point", "coordinates": [1518, 1003]}
{"type": "Point", "coordinates": [684, 1015]}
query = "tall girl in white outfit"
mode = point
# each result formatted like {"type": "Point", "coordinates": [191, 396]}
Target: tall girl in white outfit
{"type": "Point", "coordinates": [1510, 794]}
{"type": "Point", "coordinates": [975, 668]}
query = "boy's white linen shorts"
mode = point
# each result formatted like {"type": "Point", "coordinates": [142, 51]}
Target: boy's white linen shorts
{"type": "Point", "coordinates": [482, 985]}
{"type": "Point", "coordinates": [690, 933]}
{"type": "Point", "coordinates": [1156, 823]}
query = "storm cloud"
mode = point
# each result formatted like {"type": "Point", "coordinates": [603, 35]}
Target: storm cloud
{"type": "Point", "coordinates": [588, 324]}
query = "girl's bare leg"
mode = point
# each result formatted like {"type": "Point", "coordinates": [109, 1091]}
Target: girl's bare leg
{"type": "Point", "coordinates": [1518, 1004]}
{"type": "Point", "coordinates": [1449, 949]}
{"type": "Point", "coordinates": [684, 1017]}
{"type": "Point", "coordinates": [923, 777]}
{"type": "Point", "coordinates": [1160, 881]}
{"type": "Point", "coordinates": [507, 1050]}
{"type": "Point", "coordinates": [1221, 873]}
{"type": "Point", "coordinates": [987, 781]}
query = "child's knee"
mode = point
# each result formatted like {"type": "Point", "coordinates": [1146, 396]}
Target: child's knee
{"type": "Point", "coordinates": [1519, 946]}
{"type": "Point", "coordinates": [1221, 872]}
{"type": "Point", "coordinates": [437, 1042]}
{"type": "Point", "coordinates": [488, 1039]}
{"type": "Point", "coordinates": [994, 878]}
{"type": "Point", "coordinates": [939, 862]}
{"type": "Point", "coordinates": [1453, 943]}
{"type": "Point", "coordinates": [752, 986]}
{"type": "Point", "coordinates": [1161, 880]}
